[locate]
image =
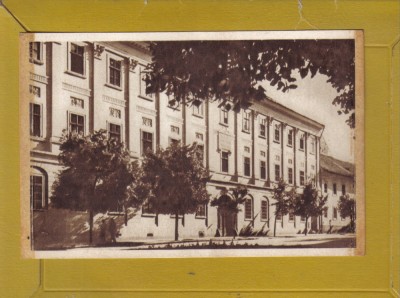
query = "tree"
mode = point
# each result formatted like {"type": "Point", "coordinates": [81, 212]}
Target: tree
{"type": "Point", "coordinates": [347, 208]}
{"type": "Point", "coordinates": [174, 181]}
{"type": "Point", "coordinates": [309, 203]}
{"type": "Point", "coordinates": [98, 175]}
{"type": "Point", "coordinates": [283, 200]}
{"type": "Point", "coordinates": [229, 204]}
{"type": "Point", "coordinates": [233, 71]}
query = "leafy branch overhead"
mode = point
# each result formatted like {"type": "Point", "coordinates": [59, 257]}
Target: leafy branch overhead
{"type": "Point", "coordinates": [233, 71]}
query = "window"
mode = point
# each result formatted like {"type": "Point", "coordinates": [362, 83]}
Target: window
{"type": "Point", "coordinates": [173, 141]}
{"type": "Point", "coordinates": [201, 211]}
{"type": "Point", "coordinates": [77, 59]}
{"type": "Point", "coordinates": [325, 188]}
{"type": "Point", "coordinates": [224, 162]}
{"type": "Point", "coordinates": [312, 149]}
{"type": "Point", "coordinates": [290, 138]}
{"type": "Point", "coordinates": [246, 121]}
{"type": "Point", "coordinates": [35, 52]}
{"type": "Point", "coordinates": [200, 152]}
{"type": "Point", "coordinates": [335, 213]}
{"type": "Point", "coordinates": [246, 166]}
{"type": "Point", "coordinates": [35, 120]}
{"type": "Point", "coordinates": [147, 122]}
{"type": "Point", "coordinates": [147, 208]}
{"type": "Point", "coordinates": [35, 90]}
{"type": "Point", "coordinates": [174, 104]}
{"type": "Point", "coordinates": [143, 93]}
{"type": "Point", "coordinates": [277, 172]}
{"type": "Point", "coordinates": [248, 209]}
{"type": "Point", "coordinates": [326, 212]}
{"type": "Point", "coordinates": [198, 110]}
{"type": "Point", "coordinates": [334, 189]}
{"type": "Point", "coordinates": [247, 149]}
{"type": "Point", "coordinates": [115, 113]}
{"type": "Point", "coordinates": [279, 216]}
{"type": "Point", "coordinates": [37, 192]}
{"type": "Point", "coordinates": [115, 72]}
{"type": "Point", "coordinates": [291, 216]}
{"type": "Point", "coordinates": [77, 102]}
{"type": "Point", "coordinates": [223, 116]}
{"type": "Point", "coordinates": [302, 182]}
{"type": "Point", "coordinates": [262, 170]}
{"type": "Point", "coordinates": [262, 127]}
{"type": "Point", "coordinates": [114, 132]}
{"type": "Point", "coordinates": [301, 146]}
{"type": "Point", "coordinates": [343, 189]}
{"type": "Point", "coordinates": [290, 175]}
{"type": "Point", "coordinates": [264, 210]}
{"type": "Point", "coordinates": [302, 218]}
{"type": "Point", "coordinates": [199, 136]}
{"type": "Point", "coordinates": [277, 133]}
{"type": "Point", "coordinates": [262, 153]}
{"type": "Point", "coordinates": [147, 141]}
{"type": "Point", "coordinates": [77, 124]}
{"type": "Point", "coordinates": [290, 161]}
{"type": "Point", "coordinates": [175, 129]}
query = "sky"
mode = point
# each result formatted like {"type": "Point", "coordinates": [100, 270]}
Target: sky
{"type": "Point", "coordinates": [313, 98]}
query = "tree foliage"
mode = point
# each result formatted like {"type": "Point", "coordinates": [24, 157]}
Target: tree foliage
{"type": "Point", "coordinates": [232, 71]}
{"type": "Point", "coordinates": [347, 208]}
{"type": "Point", "coordinates": [309, 203]}
{"type": "Point", "coordinates": [98, 175]}
{"type": "Point", "coordinates": [283, 198]}
{"type": "Point", "coordinates": [174, 181]}
{"type": "Point", "coordinates": [226, 203]}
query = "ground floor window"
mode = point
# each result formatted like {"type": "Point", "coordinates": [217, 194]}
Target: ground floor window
{"type": "Point", "coordinates": [248, 208]}
{"type": "Point", "coordinates": [201, 211]}
{"type": "Point", "coordinates": [38, 196]}
{"type": "Point", "coordinates": [264, 210]}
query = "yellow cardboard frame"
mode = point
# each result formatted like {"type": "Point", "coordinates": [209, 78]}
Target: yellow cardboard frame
{"type": "Point", "coordinates": [375, 274]}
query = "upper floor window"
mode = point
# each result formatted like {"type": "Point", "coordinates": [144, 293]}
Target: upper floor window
{"type": "Point", "coordinates": [200, 152]}
{"type": "Point", "coordinates": [198, 109]}
{"type": "Point", "coordinates": [246, 166]}
{"type": "Point", "coordinates": [175, 129]}
{"type": "Point", "coordinates": [147, 142]}
{"type": "Point", "coordinates": [343, 189]}
{"type": "Point", "coordinates": [143, 86]}
{"type": "Point", "coordinates": [224, 161]}
{"type": "Point", "coordinates": [262, 169]}
{"type": "Point", "coordinates": [290, 175]}
{"type": "Point", "coordinates": [302, 178]}
{"type": "Point", "coordinates": [114, 132]}
{"type": "Point", "coordinates": [77, 123]}
{"type": "Point", "coordinates": [277, 172]}
{"type": "Point", "coordinates": [35, 52]}
{"type": "Point", "coordinates": [114, 72]}
{"type": "Point", "coordinates": [246, 121]}
{"type": "Point", "coordinates": [290, 137]}
{"type": "Point", "coordinates": [334, 189]}
{"type": "Point", "coordinates": [277, 133]}
{"type": "Point", "coordinates": [325, 188]}
{"type": "Point", "coordinates": [223, 116]}
{"type": "Point", "coordinates": [325, 210]}
{"type": "Point", "coordinates": [77, 60]}
{"type": "Point", "coordinates": [312, 145]}
{"type": "Point", "coordinates": [35, 117]}
{"type": "Point", "coordinates": [174, 104]}
{"type": "Point", "coordinates": [248, 209]}
{"type": "Point", "coordinates": [301, 146]}
{"type": "Point", "coordinates": [335, 213]}
{"type": "Point", "coordinates": [262, 127]}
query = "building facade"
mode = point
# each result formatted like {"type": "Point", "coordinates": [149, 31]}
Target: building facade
{"type": "Point", "coordinates": [337, 179]}
{"type": "Point", "coordinates": [84, 86]}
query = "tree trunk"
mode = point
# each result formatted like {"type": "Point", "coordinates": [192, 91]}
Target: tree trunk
{"type": "Point", "coordinates": [176, 226]}
{"type": "Point", "coordinates": [275, 227]}
{"type": "Point", "coordinates": [91, 226]}
{"type": "Point", "coordinates": [306, 226]}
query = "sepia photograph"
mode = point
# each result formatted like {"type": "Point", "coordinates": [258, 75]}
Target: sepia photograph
{"type": "Point", "coordinates": [192, 144]}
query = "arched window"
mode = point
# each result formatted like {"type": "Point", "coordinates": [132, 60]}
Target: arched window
{"type": "Point", "coordinates": [248, 208]}
{"type": "Point", "coordinates": [38, 188]}
{"type": "Point", "coordinates": [264, 209]}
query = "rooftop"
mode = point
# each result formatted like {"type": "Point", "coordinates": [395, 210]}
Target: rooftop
{"type": "Point", "coordinates": [333, 165]}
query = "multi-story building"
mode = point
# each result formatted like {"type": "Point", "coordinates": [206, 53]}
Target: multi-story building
{"type": "Point", "coordinates": [84, 86]}
{"type": "Point", "coordinates": [337, 179]}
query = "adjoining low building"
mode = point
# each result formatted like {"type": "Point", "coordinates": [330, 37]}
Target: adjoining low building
{"type": "Point", "coordinates": [85, 86]}
{"type": "Point", "coordinates": [337, 179]}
